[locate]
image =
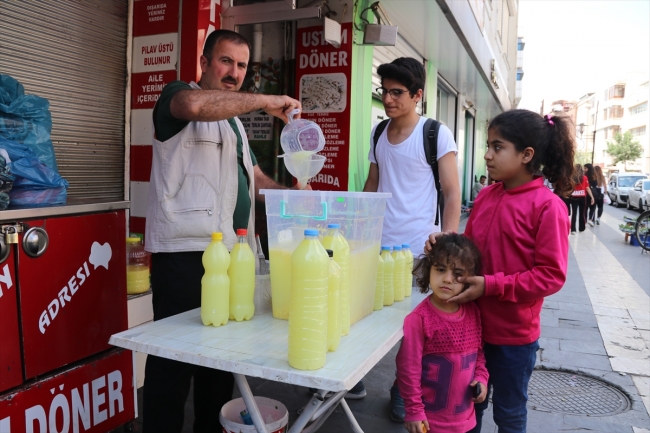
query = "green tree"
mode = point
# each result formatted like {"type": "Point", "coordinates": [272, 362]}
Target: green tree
{"type": "Point", "coordinates": [624, 148]}
{"type": "Point", "coordinates": [582, 157]}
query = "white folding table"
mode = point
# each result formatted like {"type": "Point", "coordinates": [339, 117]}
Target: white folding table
{"type": "Point", "coordinates": [258, 348]}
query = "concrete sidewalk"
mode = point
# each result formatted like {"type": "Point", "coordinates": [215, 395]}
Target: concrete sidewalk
{"type": "Point", "coordinates": [597, 325]}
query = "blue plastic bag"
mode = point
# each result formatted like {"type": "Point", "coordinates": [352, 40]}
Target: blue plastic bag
{"type": "Point", "coordinates": [36, 184]}
{"type": "Point", "coordinates": [26, 119]}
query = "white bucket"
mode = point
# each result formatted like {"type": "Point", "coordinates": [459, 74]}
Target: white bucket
{"type": "Point", "coordinates": [274, 414]}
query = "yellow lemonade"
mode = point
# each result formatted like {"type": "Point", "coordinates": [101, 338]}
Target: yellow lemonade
{"type": "Point", "coordinates": [280, 263]}
{"type": "Point", "coordinates": [408, 272]}
{"type": "Point", "coordinates": [242, 279]}
{"type": "Point", "coordinates": [215, 284]}
{"type": "Point", "coordinates": [398, 286]}
{"type": "Point", "coordinates": [137, 279]}
{"type": "Point", "coordinates": [308, 310]}
{"type": "Point", "coordinates": [363, 260]}
{"type": "Point", "coordinates": [379, 286]}
{"type": "Point", "coordinates": [333, 306]}
{"type": "Point", "coordinates": [389, 273]}
{"type": "Point", "coordinates": [335, 241]}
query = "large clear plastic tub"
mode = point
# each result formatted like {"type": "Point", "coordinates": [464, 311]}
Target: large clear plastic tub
{"type": "Point", "coordinates": [361, 216]}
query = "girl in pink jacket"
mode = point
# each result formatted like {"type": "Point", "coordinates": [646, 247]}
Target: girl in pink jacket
{"type": "Point", "coordinates": [440, 364]}
{"type": "Point", "coordinates": [521, 229]}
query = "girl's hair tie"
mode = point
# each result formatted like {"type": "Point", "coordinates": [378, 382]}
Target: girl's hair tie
{"type": "Point", "coordinates": [549, 119]}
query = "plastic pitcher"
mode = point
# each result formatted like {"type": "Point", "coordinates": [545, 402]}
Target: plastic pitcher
{"type": "Point", "coordinates": [301, 135]}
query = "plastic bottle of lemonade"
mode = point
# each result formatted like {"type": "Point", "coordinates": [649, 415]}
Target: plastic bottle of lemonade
{"type": "Point", "coordinates": [399, 272]}
{"type": "Point", "coordinates": [308, 311]}
{"type": "Point", "coordinates": [379, 286]}
{"type": "Point", "coordinates": [242, 279]}
{"type": "Point", "coordinates": [333, 304]}
{"type": "Point", "coordinates": [215, 284]}
{"type": "Point", "coordinates": [335, 241]}
{"type": "Point", "coordinates": [389, 273]}
{"type": "Point", "coordinates": [137, 266]}
{"type": "Point", "coordinates": [408, 272]}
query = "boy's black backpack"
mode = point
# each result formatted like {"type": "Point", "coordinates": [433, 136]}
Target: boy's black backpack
{"type": "Point", "coordinates": [430, 131]}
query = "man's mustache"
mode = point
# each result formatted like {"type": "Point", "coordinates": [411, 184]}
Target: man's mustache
{"type": "Point", "coordinates": [229, 80]}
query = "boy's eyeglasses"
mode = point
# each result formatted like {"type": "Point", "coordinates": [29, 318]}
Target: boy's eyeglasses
{"type": "Point", "coordinates": [394, 93]}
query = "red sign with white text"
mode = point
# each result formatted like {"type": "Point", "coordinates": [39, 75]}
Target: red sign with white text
{"type": "Point", "coordinates": [11, 371]}
{"type": "Point", "coordinates": [154, 17]}
{"type": "Point", "coordinates": [94, 397]}
{"type": "Point", "coordinates": [146, 87]}
{"type": "Point", "coordinates": [323, 79]}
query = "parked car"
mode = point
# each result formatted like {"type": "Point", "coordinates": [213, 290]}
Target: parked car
{"type": "Point", "coordinates": [639, 195]}
{"type": "Point", "coordinates": [620, 185]}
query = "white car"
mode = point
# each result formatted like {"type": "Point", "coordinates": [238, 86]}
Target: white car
{"type": "Point", "coordinates": [639, 195]}
{"type": "Point", "coordinates": [620, 185]}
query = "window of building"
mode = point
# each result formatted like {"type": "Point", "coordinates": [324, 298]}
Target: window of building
{"type": "Point", "coordinates": [639, 108]}
{"type": "Point", "coordinates": [617, 91]}
{"type": "Point", "coordinates": [520, 45]}
{"type": "Point", "coordinates": [520, 74]}
{"type": "Point", "coordinates": [638, 132]}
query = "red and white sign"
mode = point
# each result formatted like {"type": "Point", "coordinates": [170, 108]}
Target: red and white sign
{"type": "Point", "coordinates": [154, 17]}
{"type": "Point", "coordinates": [323, 81]}
{"type": "Point", "coordinates": [95, 397]}
{"type": "Point", "coordinates": [146, 88]}
{"type": "Point", "coordinates": [155, 53]}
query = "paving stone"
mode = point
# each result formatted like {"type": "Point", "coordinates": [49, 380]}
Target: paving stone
{"type": "Point", "coordinates": [596, 423]}
{"type": "Point", "coordinates": [572, 334]}
{"type": "Point", "coordinates": [575, 360]}
{"type": "Point", "coordinates": [572, 306]}
{"type": "Point", "coordinates": [582, 347]}
{"type": "Point", "coordinates": [549, 343]}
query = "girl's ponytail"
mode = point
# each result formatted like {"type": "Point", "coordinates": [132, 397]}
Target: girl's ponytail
{"type": "Point", "coordinates": [551, 139]}
{"type": "Point", "coordinates": [558, 158]}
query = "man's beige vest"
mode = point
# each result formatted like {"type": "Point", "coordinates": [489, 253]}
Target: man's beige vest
{"type": "Point", "coordinates": [193, 189]}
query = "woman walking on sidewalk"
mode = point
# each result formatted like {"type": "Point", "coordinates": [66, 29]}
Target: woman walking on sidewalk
{"type": "Point", "coordinates": [598, 187]}
{"type": "Point", "coordinates": [521, 229]}
{"type": "Point", "coordinates": [578, 199]}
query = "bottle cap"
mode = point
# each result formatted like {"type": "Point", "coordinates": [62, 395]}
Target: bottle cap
{"type": "Point", "coordinates": [406, 246]}
{"type": "Point", "coordinates": [385, 248]}
{"type": "Point", "coordinates": [397, 248]}
{"type": "Point", "coordinates": [330, 253]}
{"type": "Point", "coordinates": [334, 226]}
{"type": "Point", "coordinates": [217, 236]}
{"type": "Point", "coordinates": [242, 232]}
{"type": "Point", "coordinates": [311, 232]}
{"type": "Point", "coordinates": [133, 240]}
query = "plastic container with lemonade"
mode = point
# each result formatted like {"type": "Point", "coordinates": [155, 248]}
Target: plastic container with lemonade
{"type": "Point", "coordinates": [333, 304]}
{"type": "Point", "coordinates": [360, 216]}
{"type": "Point", "coordinates": [215, 284]}
{"type": "Point", "coordinates": [400, 264]}
{"type": "Point", "coordinates": [308, 310]}
{"type": "Point", "coordinates": [389, 275]}
{"type": "Point", "coordinates": [137, 266]}
{"type": "Point", "coordinates": [408, 270]}
{"type": "Point", "coordinates": [242, 279]}
{"type": "Point", "coordinates": [336, 242]}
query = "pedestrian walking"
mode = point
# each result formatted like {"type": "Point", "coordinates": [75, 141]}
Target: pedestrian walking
{"type": "Point", "coordinates": [521, 229]}
{"type": "Point", "coordinates": [598, 187]}
{"type": "Point", "coordinates": [578, 199]}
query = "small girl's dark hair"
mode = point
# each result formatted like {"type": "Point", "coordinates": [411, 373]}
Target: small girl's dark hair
{"type": "Point", "coordinates": [551, 138]}
{"type": "Point", "coordinates": [591, 172]}
{"type": "Point", "coordinates": [448, 248]}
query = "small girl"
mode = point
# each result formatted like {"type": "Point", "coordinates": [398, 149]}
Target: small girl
{"type": "Point", "coordinates": [440, 360]}
{"type": "Point", "coordinates": [521, 229]}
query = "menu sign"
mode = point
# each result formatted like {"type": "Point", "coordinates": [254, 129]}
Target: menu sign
{"type": "Point", "coordinates": [323, 81]}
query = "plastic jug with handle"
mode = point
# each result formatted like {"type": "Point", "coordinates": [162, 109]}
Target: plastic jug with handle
{"type": "Point", "coordinates": [301, 135]}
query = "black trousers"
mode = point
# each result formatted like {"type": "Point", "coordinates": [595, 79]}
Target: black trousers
{"type": "Point", "coordinates": [578, 205]}
{"type": "Point", "coordinates": [599, 202]}
{"type": "Point", "coordinates": [176, 285]}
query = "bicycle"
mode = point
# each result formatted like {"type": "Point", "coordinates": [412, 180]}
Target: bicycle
{"type": "Point", "coordinates": [642, 229]}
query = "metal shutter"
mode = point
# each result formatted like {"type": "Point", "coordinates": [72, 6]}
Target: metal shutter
{"type": "Point", "coordinates": [74, 54]}
{"type": "Point", "coordinates": [383, 55]}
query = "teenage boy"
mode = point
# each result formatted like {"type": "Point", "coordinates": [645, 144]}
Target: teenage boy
{"type": "Point", "coordinates": [398, 165]}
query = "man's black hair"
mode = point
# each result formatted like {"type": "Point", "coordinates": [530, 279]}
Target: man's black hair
{"type": "Point", "coordinates": [406, 71]}
{"type": "Point", "coordinates": [482, 177]}
{"type": "Point", "coordinates": [222, 35]}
